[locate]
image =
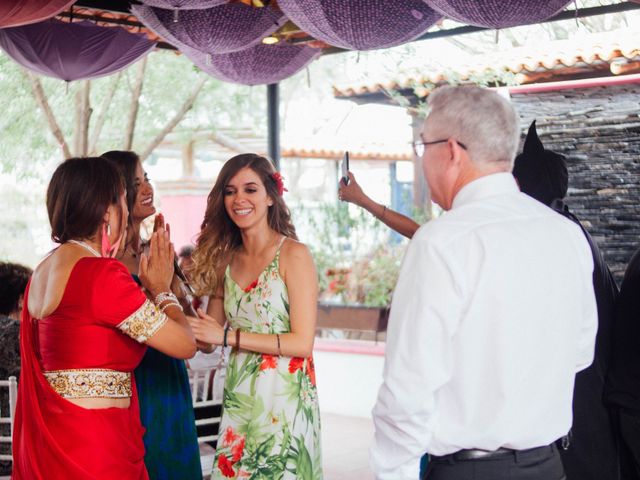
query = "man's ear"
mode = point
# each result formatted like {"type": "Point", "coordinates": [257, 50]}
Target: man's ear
{"type": "Point", "coordinates": [455, 151]}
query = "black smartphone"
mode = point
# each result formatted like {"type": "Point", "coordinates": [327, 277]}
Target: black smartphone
{"type": "Point", "coordinates": [345, 168]}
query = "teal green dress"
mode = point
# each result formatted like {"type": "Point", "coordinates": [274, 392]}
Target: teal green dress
{"type": "Point", "coordinates": [166, 412]}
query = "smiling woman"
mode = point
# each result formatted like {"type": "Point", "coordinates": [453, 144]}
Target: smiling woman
{"type": "Point", "coordinates": [263, 292]}
{"type": "Point", "coordinates": [170, 440]}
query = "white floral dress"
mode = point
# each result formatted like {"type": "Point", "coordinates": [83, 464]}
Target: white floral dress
{"type": "Point", "coordinates": [270, 427]}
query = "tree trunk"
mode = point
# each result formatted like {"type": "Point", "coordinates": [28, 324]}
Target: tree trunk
{"type": "Point", "coordinates": [186, 106]}
{"type": "Point", "coordinates": [43, 103]}
{"type": "Point", "coordinates": [83, 114]}
{"type": "Point", "coordinates": [135, 104]}
{"type": "Point", "coordinates": [102, 116]}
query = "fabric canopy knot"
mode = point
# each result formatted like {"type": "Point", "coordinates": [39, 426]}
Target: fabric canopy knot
{"type": "Point", "coordinates": [73, 51]}
{"type": "Point", "coordinates": [361, 24]}
{"type": "Point", "coordinates": [258, 65]}
{"type": "Point", "coordinates": [498, 13]}
{"type": "Point", "coordinates": [14, 13]}
{"type": "Point", "coordinates": [183, 4]}
{"type": "Point", "coordinates": [222, 29]}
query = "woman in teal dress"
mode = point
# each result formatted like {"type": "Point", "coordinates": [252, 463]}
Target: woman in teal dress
{"type": "Point", "coordinates": [263, 283]}
{"type": "Point", "coordinates": [166, 408]}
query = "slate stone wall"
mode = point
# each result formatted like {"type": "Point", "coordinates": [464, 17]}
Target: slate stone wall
{"type": "Point", "coordinates": [598, 129]}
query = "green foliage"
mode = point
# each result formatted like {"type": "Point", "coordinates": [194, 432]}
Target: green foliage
{"type": "Point", "coordinates": [25, 138]}
{"type": "Point", "coordinates": [356, 259]}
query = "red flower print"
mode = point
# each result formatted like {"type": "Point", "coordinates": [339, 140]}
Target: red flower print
{"type": "Point", "coordinates": [311, 371]}
{"type": "Point", "coordinates": [268, 361]}
{"type": "Point", "coordinates": [253, 285]}
{"type": "Point", "coordinates": [295, 364]}
{"type": "Point", "coordinates": [229, 436]}
{"type": "Point", "coordinates": [226, 467]}
{"type": "Point", "coordinates": [237, 450]}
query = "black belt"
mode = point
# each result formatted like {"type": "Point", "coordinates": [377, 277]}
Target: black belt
{"type": "Point", "coordinates": [475, 454]}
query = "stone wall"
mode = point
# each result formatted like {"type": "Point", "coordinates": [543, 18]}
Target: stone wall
{"type": "Point", "coordinates": [598, 129]}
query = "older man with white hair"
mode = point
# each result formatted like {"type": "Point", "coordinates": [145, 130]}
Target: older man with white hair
{"type": "Point", "coordinates": [492, 316]}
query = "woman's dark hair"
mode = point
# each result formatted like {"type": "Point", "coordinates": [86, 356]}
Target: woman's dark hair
{"type": "Point", "coordinates": [13, 281]}
{"type": "Point", "coordinates": [127, 162]}
{"type": "Point", "coordinates": [79, 193]}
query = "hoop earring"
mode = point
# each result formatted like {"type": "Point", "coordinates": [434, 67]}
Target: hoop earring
{"type": "Point", "coordinates": [106, 244]}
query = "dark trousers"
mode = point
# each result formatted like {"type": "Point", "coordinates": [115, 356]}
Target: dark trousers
{"type": "Point", "coordinates": [537, 464]}
{"type": "Point", "coordinates": [629, 424]}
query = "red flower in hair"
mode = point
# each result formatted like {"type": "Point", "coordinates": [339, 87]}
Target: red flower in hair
{"type": "Point", "coordinates": [295, 364]}
{"type": "Point", "coordinates": [226, 467]}
{"type": "Point", "coordinates": [279, 182]}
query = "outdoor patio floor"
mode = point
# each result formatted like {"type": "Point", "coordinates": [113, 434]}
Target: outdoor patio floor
{"type": "Point", "coordinates": [345, 447]}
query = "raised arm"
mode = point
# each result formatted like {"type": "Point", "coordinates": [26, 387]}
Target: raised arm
{"type": "Point", "coordinates": [398, 222]}
{"type": "Point", "coordinates": [174, 337]}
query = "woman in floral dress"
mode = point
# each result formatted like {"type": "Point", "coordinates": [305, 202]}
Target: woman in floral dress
{"type": "Point", "coordinates": [263, 292]}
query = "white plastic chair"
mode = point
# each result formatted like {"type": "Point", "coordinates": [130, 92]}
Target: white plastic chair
{"type": "Point", "coordinates": [6, 418]}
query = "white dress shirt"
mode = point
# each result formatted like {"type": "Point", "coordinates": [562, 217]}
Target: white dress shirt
{"type": "Point", "coordinates": [492, 316]}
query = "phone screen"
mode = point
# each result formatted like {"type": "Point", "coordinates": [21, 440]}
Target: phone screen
{"type": "Point", "coordinates": [345, 168]}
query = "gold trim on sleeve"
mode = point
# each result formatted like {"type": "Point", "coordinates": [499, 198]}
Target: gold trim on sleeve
{"type": "Point", "coordinates": [144, 322]}
{"type": "Point", "coordinates": [90, 383]}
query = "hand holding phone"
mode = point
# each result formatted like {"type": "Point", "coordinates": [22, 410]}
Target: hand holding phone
{"type": "Point", "coordinates": [345, 169]}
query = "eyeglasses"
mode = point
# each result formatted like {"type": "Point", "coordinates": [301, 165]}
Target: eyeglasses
{"type": "Point", "coordinates": [419, 147]}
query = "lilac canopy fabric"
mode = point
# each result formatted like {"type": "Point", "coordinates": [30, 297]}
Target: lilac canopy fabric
{"type": "Point", "coordinates": [261, 64]}
{"type": "Point", "coordinates": [22, 12]}
{"type": "Point", "coordinates": [73, 51]}
{"type": "Point", "coordinates": [222, 29]}
{"type": "Point", "coordinates": [183, 4]}
{"type": "Point", "coordinates": [361, 24]}
{"type": "Point", "coordinates": [498, 13]}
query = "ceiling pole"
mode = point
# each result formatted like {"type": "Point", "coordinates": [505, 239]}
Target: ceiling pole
{"type": "Point", "coordinates": [273, 119]}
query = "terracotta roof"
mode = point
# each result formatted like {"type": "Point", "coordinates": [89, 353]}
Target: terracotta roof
{"type": "Point", "coordinates": [337, 154]}
{"type": "Point", "coordinates": [552, 61]}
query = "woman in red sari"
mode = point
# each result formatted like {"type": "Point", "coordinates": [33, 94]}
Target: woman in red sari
{"type": "Point", "coordinates": [85, 329]}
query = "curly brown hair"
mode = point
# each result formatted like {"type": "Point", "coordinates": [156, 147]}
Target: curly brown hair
{"type": "Point", "coordinates": [219, 237]}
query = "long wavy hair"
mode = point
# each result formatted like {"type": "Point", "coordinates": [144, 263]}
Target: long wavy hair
{"type": "Point", "coordinates": [219, 237]}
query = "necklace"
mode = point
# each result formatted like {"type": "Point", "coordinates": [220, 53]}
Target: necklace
{"type": "Point", "coordinates": [86, 246]}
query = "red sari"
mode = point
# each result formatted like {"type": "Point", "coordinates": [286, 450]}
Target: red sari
{"type": "Point", "coordinates": [54, 438]}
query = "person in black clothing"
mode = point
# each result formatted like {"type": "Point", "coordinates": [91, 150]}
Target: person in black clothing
{"type": "Point", "coordinates": [13, 281]}
{"type": "Point", "coordinates": [622, 389]}
{"type": "Point", "coordinates": [592, 450]}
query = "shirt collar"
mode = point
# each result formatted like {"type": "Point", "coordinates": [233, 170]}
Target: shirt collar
{"type": "Point", "coordinates": [484, 187]}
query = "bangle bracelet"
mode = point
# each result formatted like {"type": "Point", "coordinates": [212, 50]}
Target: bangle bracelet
{"type": "Point", "coordinates": [278, 340]}
{"type": "Point", "coordinates": [171, 304]}
{"type": "Point", "coordinates": [164, 296]}
{"type": "Point", "coordinates": [237, 338]}
{"type": "Point", "coordinates": [224, 339]}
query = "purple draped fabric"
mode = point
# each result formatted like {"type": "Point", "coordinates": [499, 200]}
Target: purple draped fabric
{"type": "Point", "coordinates": [498, 13]}
{"type": "Point", "coordinates": [22, 12]}
{"type": "Point", "coordinates": [261, 64]}
{"type": "Point", "coordinates": [361, 24]}
{"type": "Point", "coordinates": [73, 51]}
{"type": "Point", "coordinates": [183, 4]}
{"type": "Point", "coordinates": [222, 29]}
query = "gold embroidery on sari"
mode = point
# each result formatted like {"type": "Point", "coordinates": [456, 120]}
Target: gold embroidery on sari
{"type": "Point", "coordinates": [90, 383]}
{"type": "Point", "coordinates": [144, 322]}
